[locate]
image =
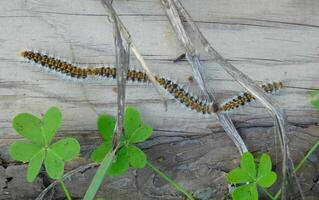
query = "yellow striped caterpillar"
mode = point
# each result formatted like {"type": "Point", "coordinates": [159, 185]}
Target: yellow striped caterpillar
{"type": "Point", "coordinates": [245, 98]}
{"type": "Point", "coordinates": [177, 91]}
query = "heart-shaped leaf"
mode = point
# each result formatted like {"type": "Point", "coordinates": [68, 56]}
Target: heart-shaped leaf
{"type": "Point", "coordinates": [67, 149]}
{"type": "Point", "coordinates": [268, 180]}
{"type": "Point", "coordinates": [29, 126]}
{"type": "Point", "coordinates": [51, 123]}
{"type": "Point", "coordinates": [35, 165]}
{"type": "Point", "coordinates": [136, 157]}
{"type": "Point", "coordinates": [53, 165]}
{"type": "Point", "coordinates": [23, 151]}
{"type": "Point", "coordinates": [265, 177]}
{"type": "Point", "coordinates": [106, 126]}
{"type": "Point", "coordinates": [247, 163]}
{"type": "Point", "coordinates": [99, 153]}
{"type": "Point", "coordinates": [132, 121]}
{"type": "Point", "coordinates": [120, 164]}
{"type": "Point", "coordinates": [238, 175]}
{"type": "Point", "coordinates": [264, 167]}
{"type": "Point", "coordinates": [245, 192]}
{"type": "Point", "coordinates": [141, 134]}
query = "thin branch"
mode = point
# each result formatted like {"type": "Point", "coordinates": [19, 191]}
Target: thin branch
{"type": "Point", "coordinates": [136, 52]}
{"type": "Point", "coordinates": [199, 75]}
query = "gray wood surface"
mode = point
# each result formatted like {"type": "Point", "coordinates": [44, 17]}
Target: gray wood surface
{"type": "Point", "coordinates": [267, 39]}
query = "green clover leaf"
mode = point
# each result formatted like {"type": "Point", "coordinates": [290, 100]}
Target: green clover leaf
{"type": "Point", "coordinates": [246, 192]}
{"type": "Point", "coordinates": [120, 164]}
{"type": "Point", "coordinates": [265, 177]}
{"type": "Point", "coordinates": [141, 134]}
{"type": "Point", "coordinates": [247, 163]}
{"type": "Point", "coordinates": [37, 149]}
{"type": "Point", "coordinates": [248, 178]}
{"type": "Point", "coordinates": [35, 164]}
{"type": "Point", "coordinates": [106, 126]}
{"type": "Point", "coordinates": [238, 175]}
{"type": "Point", "coordinates": [136, 157]}
{"type": "Point", "coordinates": [128, 155]}
{"type": "Point", "coordinates": [99, 153]}
{"type": "Point", "coordinates": [51, 123]}
{"type": "Point", "coordinates": [30, 127]}
{"type": "Point", "coordinates": [132, 121]}
{"type": "Point", "coordinates": [314, 99]}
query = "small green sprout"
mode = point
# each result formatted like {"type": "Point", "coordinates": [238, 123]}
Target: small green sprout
{"type": "Point", "coordinates": [37, 147]}
{"type": "Point", "coordinates": [128, 154]}
{"type": "Point", "coordinates": [247, 177]}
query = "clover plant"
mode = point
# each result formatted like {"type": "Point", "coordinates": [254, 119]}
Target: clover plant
{"type": "Point", "coordinates": [128, 154]}
{"type": "Point", "coordinates": [37, 148]}
{"type": "Point", "coordinates": [248, 177]}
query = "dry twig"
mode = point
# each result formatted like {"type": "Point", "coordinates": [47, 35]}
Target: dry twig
{"type": "Point", "coordinates": [274, 108]}
{"type": "Point", "coordinates": [122, 65]}
{"type": "Point", "coordinates": [136, 52]}
{"type": "Point", "coordinates": [199, 75]}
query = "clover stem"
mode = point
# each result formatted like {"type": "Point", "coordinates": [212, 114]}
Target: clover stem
{"type": "Point", "coordinates": [300, 164]}
{"type": "Point", "coordinates": [66, 191]}
{"type": "Point", "coordinates": [268, 194]}
{"type": "Point", "coordinates": [170, 181]}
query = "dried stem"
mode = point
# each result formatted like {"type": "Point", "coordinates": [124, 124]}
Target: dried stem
{"type": "Point", "coordinates": [136, 52]}
{"type": "Point", "coordinates": [122, 65]}
{"type": "Point", "coordinates": [198, 73]}
{"type": "Point", "coordinates": [274, 108]}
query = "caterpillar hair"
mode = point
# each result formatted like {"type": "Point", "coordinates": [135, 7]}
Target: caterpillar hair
{"type": "Point", "coordinates": [178, 92]}
{"type": "Point", "coordinates": [71, 70]}
{"type": "Point", "coordinates": [74, 71]}
{"type": "Point", "coordinates": [66, 68]}
{"type": "Point", "coordinates": [184, 97]}
{"type": "Point", "coordinates": [247, 97]}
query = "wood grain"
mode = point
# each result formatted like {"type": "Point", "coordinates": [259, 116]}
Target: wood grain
{"type": "Point", "coordinates": [268, 40]}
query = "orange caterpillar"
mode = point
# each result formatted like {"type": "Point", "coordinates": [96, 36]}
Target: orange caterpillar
{"type": "Point", "coordinates": [177, 91]}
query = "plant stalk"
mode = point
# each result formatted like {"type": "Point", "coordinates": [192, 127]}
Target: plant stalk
{"type": "Point", "coordinates": [170, 181]}
{"type": "Point", "coordinates": [66, 191]}
{"type": "Point", "coordinates": [268, 194]}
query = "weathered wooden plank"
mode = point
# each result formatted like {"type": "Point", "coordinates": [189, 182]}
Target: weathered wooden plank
{"type": "Point", "coordinates": [268, 40]}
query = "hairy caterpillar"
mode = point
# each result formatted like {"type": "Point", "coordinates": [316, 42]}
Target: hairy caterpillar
{"type": "Point", "coordinates": [246, 97]}
{"type": "Point", "coordinates": [177, 91]}
{"type": "Point", "coordinates": [66, 68]}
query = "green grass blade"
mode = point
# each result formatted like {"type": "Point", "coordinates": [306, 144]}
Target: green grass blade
{"type": "Point", "coordinates": [300, 164]}
{"type": "Point", "coordinates": [99, 176]}
{"type": "Point", "coordinates": [173, 183]}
